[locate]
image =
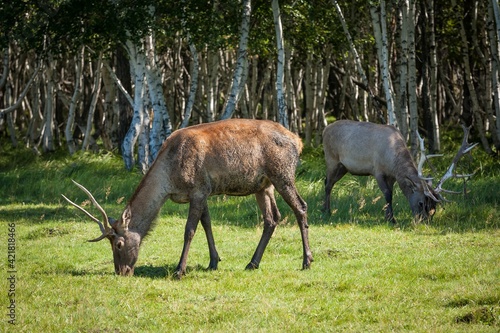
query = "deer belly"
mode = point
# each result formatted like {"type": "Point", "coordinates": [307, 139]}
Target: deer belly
{"type": "Point", "coordinates": [358, 166]}
{"type": "Point", "coordinates": [239, 184]}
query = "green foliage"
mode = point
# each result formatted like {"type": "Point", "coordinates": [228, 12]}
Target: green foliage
{"type": "Point", "coordinates": [368, 276]}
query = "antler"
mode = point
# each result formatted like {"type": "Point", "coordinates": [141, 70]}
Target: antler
{"type": "Point", "coordinates": [106, 228]}
{"type": "Point", "coordinates": [423, 158]}
{"type": "Point", "coordinates": [464, 149]}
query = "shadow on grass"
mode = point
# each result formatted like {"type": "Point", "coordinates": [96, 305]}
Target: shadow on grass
{"type": "Point", "coordinates": [161, 272]}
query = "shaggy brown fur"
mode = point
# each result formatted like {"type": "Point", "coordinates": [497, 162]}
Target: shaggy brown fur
{"type": "Point", "coordinates": [233, 157]}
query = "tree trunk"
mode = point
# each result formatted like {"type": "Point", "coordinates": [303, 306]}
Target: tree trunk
{"type": "Point", "coordinates": [48, 116]}
{"type": "Point", "coordinates": [5, 72]}
{"type": "Point", "coordinates": [194, 83]}
{"type": "Point", "coordinates": [240, 64]}
{"type": "Point", "coordinates": [402, 91]}
{"type": "Point", "coordinates": [310, 95]}
{"type": "Point", "coordinates": [213, 60]}
{"type": "Point", "coordinates": [435, 142]}
{"type": "Point", "coordinates": [158, 133]}
{"type": "Point", "coordinates": [138, 67]}
{"type": "Point", "coordinates": [144, 158]}
{"type": "Point", "coordinates": [380, 32]}
{"type": "Point", "coordinates": [476, 110]}
{"type": "Point", "coordinates": [412, 79]}
{"type": "Point", "coordinates": [111, 84]}
{"type": "Point", "coordinates": [95, 95]}
{"type": "Point", "coordinates": [357, 59]}
{"type": "Point", "coordinates": [124, 76]}
{"type": "Point", "coordinates": [75, 100]}
{"type": "Point", "coordinates": [280, 90]}
{"type": "Point", "coordinates": [494, 40]}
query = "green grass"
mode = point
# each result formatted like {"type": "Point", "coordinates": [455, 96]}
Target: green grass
{"type": "Point", "coordinates": [368, 276]}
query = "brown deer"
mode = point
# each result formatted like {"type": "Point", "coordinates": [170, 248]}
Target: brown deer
{"type": "Point", "coordinates": [363, 148]}
{"type": "Point", "coordinates": [234, 157]}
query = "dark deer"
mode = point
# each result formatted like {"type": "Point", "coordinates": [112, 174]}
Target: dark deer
{"type": "Point", "coordinates": [234, 157]}
{"type": "Point", "coordinates": [363, 148]}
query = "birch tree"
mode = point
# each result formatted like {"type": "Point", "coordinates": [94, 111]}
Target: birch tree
{"type": "Point", "coordinates": [280, 80]}
{"type": "Point", "coordinates": [412, 79]}
{"type": "Point", "coordinates": [235, 93]}
{"type": "Point", "coordinates": [48, 114]}
{"type": "Point", "coordinates": [476, 109]}
{"type": "Point", "coordinates": [194, 83]}
{"type": "Point", "coordinates": [75, 99]}
{"type": "Point", "coordinates": [162, 127]}
{"type": "Point", "coordinates": [138, 68]}
{"type": "Point", "coordinates": [356, 57]}
{"type": "Point", "coordinates": [380, 30]}
{"type": "Point", "coordinates": [435, 142]}
{"type": "Point", "coordinates": [95, 96]}
{"type": "Point", "coordinates": [494, 37]}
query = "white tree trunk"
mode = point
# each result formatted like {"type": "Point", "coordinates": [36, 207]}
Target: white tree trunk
{"type": "Point", "coordinates": [412, 79]}
{"type": "Point", "coordinates": [402, 95]}
{"type": "Point", "coordinates": [494, 36]}
{"type": "Point", "coordinates": [280, 80]}
{"type": "Point", "coordinates": [193, 85]}
{"type": "Point", "coordinates": [75, 99]}
{"type": "Point", "coordinates": [110, 135]}
{"type": "Point", "coordinates": [433, 87]}
{"type": "Point", "coordinates": [476, 109]}
{"type": "Point", "coordinates": [357, 59]}
{"type": "Point", "coordinates": [380, 32]}
{"type": "Point", "coordinates": [95, 96]}
{"type": "Point", "coordinates": [48, 116]}
{"type": "Point", "coordinates": [138, 69]}
{"type": "Point", "coordinates": [212, 85]}
{"type": "Point", "coordinates": [159, 132]}
{"type": "Point", "coordinates": [240, 63]}
{"type": "Point", "coordinates": [310, 97]}
{"type": "Point", "coordinates": [144, 158]}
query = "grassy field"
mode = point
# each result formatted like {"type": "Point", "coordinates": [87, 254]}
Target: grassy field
{"type": "Point", "coordinates": [368, 276]}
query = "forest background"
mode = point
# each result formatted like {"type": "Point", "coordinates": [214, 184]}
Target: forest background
{"type": "Point", "coordinates": [122, 75]}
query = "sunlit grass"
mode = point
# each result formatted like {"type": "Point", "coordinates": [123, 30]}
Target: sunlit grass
{"type": "Point", "coordinates": [368, 275]}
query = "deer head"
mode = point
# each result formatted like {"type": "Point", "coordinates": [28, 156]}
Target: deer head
{"type": "Point", "coordinates": [124, 243]}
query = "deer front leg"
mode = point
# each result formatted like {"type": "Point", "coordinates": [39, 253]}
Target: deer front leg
{"type": "Point", "coordinates": [333, 175]}
{"type": "Point", "coordinates": [194, 216]}
{"type": "Point", "coordinates": [207, 226]}
{"type": "Point", "coordinates": [271, 214]}
{"type": "Point", "coordinates": [386, 186]}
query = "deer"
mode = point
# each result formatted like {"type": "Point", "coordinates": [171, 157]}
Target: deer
{"type": "Point", "coordinates": [236, 157]}
{"type": "Point", "coordinates": [368, 149]}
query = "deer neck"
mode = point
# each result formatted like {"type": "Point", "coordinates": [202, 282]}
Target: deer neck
{"type": "Point", "coordinates": [146, 203]}
{"type": "Point", "coordinates": [406, 174]}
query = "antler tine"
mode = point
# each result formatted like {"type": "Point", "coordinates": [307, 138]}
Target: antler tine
{"type": "Point", "coordinates": [423, 158]}
{"type": "Point", "coordinates": [464, 149]}
{"type": "Point", "coordinates": [106, 225]}
{"type": "Point", "coordinates": [95, 219]}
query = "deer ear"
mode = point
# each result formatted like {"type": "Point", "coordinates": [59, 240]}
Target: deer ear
{"type": "Point", "coordinates": [122, 224]}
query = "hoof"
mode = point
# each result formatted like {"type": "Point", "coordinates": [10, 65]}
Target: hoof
{"type": "Point", "coordinates": [307, 264]}
{"type": "Point", "coordinates": [178, 274]}
{"type": "Point", "coordinates": [251, 266]}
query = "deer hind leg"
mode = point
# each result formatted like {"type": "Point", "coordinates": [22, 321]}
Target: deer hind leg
{"type": "Point", "coordinates": [272, 216]}
{"type": "Point", "coordinates": [333, 175]}
{"type": "Point", "coordinates": [196, 210]}
{"type": "Point", "coordinates": [207, 226]}
{"type": "Point", "coordinates": [289, 193]}
{"type": "Point", "coordinates": [386, 185]}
